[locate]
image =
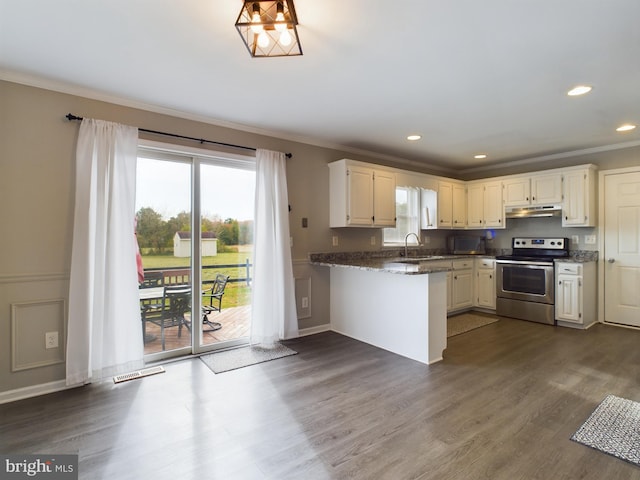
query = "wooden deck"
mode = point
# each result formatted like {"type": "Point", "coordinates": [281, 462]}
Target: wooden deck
{"type": "Point", "coordinates": [236, 323]}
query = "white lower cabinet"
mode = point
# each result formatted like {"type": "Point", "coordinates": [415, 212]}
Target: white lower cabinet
{"type": "Point", "coordinates": [575, 302]}
{"type": "Point", "coordinates": [485, 285]}
{"type": "Point", "coordinates": [470, 283]}
{"type": "Point", "coordinates": [462, 284]}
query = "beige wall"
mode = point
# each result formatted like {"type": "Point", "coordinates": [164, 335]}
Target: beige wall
{"type": "Point", "coordinates": [37, 146]}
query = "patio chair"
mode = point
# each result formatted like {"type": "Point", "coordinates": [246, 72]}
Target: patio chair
{"type": "Point", "coordinates": [151, 280]}
{"type": "Point", "coordinates": [214, 294]}
{"type": "Point", "coordinates": [170, 311]}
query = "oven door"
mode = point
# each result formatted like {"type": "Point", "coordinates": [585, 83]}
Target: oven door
{"type": "Point", "coordinates": [526, 281]}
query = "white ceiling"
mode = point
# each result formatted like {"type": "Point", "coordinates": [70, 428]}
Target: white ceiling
{"type": "Point", "coordinates": [469, 76]}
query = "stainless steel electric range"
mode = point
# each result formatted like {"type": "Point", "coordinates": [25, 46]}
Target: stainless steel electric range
{"type": "Point", "coordinates": [525, 287]}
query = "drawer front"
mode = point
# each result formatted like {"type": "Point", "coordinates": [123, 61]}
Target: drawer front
{"type": "Point", "coordinates": [440, 263]}
{"type": "Point", "coordinates": [486, 263]}
{"type": "Point", "coordinates": [463, 264]}
{"type": "Point", "coordinates": [569, 268]}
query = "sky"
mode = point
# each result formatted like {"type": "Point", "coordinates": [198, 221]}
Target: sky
{"type": "Point", "coordinates": [165, 187]}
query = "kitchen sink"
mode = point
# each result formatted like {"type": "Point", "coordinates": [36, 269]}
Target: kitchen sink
{"type": "Point", "coordinates": [415, 260]}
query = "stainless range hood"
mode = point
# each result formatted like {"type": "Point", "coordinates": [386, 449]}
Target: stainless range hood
{"type": "Point", "coordinates": [532, 212]}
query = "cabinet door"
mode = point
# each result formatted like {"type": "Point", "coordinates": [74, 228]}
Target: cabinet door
{"type": "Point", "coordinates": [493, 207]}
{"type": "Point", "coordinates": [462, 289]}
{"type": "Point", "coordinates": [568, 298]}
{"type": "Point", "coordinates": [445, 206]}
{"type": "Point", "coordinates": [516, 192]}
{"type": "Point", "coordinates": [475, 205]}
{"type": "Point", "coordinates": [579, 196]}
{"type": "Point", "coordinates": [384, 199]}
{"type": "Point", "coordinates": [459, 206]}
{"type": "Point", "coordinates": [486, 288]}
{"type": "Point", "coordinates": [360, 196]}
{"type": "Point", "coordinates": [546, 189]}
{"type": "Point", "coordinates": [574, 199]}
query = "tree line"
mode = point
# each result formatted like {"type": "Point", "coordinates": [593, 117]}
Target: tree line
{"type": "Point", "coordinates": [155, 235]}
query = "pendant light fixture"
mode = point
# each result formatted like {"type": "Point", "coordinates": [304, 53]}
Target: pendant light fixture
{"type": "Point", "coordinates": [268, 28]}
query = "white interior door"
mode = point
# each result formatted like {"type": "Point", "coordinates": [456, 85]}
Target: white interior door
{"type": "Point", "coordinates": [622, 248]}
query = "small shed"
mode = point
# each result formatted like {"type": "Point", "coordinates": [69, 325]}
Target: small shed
{"type": "Point", "coordinates": [182, 244]}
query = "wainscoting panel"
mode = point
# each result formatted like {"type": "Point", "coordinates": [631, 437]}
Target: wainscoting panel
{"type": "Point", "coordinates": [30, 321]}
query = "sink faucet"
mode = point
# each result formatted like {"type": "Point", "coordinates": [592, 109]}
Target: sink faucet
{"type": "Point", "coordinates": [406, 239]}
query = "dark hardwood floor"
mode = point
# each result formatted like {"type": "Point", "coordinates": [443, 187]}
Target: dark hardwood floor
{"type": "Point", "coordinates": [502, 405]}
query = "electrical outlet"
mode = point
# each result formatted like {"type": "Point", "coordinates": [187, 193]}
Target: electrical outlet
{"type": "Point", "coordinates": [590, 239]}
{"type": "Point", "coordinates": [334, 240]}
{"type": "Point", "coordinates": [426, 240]}
{"type": "Point", "coordinates": [575, 239]}
{"type": "Point", "coordinates": [51, 340]}
{"type": "Point", "coordinates": [305, 302]}
{"type": "Point", "coordinates": [373, 239]}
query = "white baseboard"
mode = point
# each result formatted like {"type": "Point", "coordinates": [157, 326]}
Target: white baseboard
{"type": "Point", "coordinates": [313, 330]}
{"type": "Point", "coordinates": [33, 391]}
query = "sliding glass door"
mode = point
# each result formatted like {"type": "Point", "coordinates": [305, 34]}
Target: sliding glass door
{"type": "Point", "coordinates": [196, 292]}
{"type": "Point", "coordinates": [227, 204]}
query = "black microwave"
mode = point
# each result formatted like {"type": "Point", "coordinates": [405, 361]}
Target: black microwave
{"type": "Point", "coordinates": [466, 245]}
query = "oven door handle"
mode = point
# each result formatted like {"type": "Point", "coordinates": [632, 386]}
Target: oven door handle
{"type": "Point", "coordinates": [524, 263]}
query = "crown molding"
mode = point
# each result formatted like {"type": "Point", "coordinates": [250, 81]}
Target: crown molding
{"type": "Point", "coordinates": [554, 156]}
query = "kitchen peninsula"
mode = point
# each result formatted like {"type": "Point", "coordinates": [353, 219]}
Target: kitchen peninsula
{"type": "Point", "coordinates": [399, 305]}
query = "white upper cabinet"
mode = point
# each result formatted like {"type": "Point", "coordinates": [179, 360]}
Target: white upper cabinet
{"type": "Point", "coordinates": [542, 189]}
{"type": "Point", "coordinates": [445, 205]}
{"type": "Point", "coordinates": [384, 198]}
{"type": "Point", "coordinates": [475, 205]}
{"type": "Point", "coordinates": [484, 205]}
{"type": "Point", "coordinates": [546, 189]}
{"type": "Point", "coordinates": [493, 205]}
{"type": "Point", "coordinates": [517, 191]}
{"type": "Point", "coordinates": [361, 196]}
{"type": "Point", "coordinates": [579, 202]}
{"type": "Point", "coordinates": [364, 195]}
{"type": "Point", "coordinates": [452, 205]}
{"type": "Point", "coordinates": [459, 205]}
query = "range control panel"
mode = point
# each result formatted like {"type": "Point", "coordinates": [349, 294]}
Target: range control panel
{"type": "Point", "coordinates": [542, 243]}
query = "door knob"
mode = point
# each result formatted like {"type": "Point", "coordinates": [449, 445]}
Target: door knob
{"type": "Point", "coordinates": [611, 260]}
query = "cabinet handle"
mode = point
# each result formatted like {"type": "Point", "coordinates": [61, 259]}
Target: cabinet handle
{"type": "Point", "coordinates": [527, 199]}
{"type": "Point", "coordinates": [533, 198]}
{"type": "Point", "coordinates": [566, 217]}
{"type": "Point", "coordinates": [560, 282]}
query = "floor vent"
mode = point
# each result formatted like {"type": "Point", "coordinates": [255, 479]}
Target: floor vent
{"type": "Point", "coordinates": [145, 372]}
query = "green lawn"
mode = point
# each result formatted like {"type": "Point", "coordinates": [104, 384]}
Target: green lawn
{"type": "Point", "coordinates": [235, 294]}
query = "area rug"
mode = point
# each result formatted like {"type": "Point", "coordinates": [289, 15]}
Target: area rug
{"type": "Point", "coordinates": [243, 357]}
{"type": "Point", "coordinates": [466, 322]}
{"type": "Point", "coordinates": [613, 428]}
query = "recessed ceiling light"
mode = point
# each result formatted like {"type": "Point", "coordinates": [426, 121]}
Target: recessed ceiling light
{"type": "Point", "coordinates": [625, 128]}
{"type": "Point", "coordinates": [480, 155]}
{"type": "Point", "coordinates": [414, 137]}
{"type": "Point", "coordinates": [579, 90]}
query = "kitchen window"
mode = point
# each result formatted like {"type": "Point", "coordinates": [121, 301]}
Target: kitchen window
{"type": "Point", "coordinates": [407, 217]}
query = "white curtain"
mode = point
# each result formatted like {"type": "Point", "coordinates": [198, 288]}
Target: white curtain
{"type": "Point", "coordinates": [104, 330]}
{"type": "Point", "coordinates": [273, 307]}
